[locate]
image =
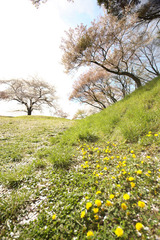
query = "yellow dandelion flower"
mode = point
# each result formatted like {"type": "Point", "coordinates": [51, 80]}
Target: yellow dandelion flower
{"type": "Point", "coordinates": [98, 192]}
{"type": "Point", "coordinates": [132, 151]}
{"type": "Point", "coordinates": [148, 157]}
{"type": "Point", "coordinates": [96, 217]}
{"type": "Point", "coordinates": [139, 226]}
{"type": "Point", "coordinates": [113, 177]}
{"type": "Point", "coordinates": [118, 185]}
{"type": "Point", "coordinates": [88, 205]}
{"type": "Point", "coordinates": [54, 217]}
{"type": "Point", "coordinates": [126, 196]}
{"type": "Point", "coordinates": [139, 172]}
{"type": "Point", "coordinates": [148, 175]}
{"type": "Point", "coordinates": [109, 203]}
{"type": "Point", "coordinates": [123, 206]}
{"type": "Point", "coordinates": [156, 135]}
{"type": "Point", "coordinates": [132, 184]}
{"type": "Point", "coordinates": [130, 179]}
{"type": "Point", "coordinates": [98, 166]}
{"type": "Point", "coordinates": [133, 155]}
{"type": "Point", "coordinates": [83, 214]}
{"type": "Point", "coordinates": [148, 135]}
{"type": "Point", "coordinates": [90, 234]}
{"type": "Point", "coordinates": [85, 166]}
{"type": "Point", "coordinates": [95, 210]}
{"type": "Point", "coordinates": [98, 203]}
{"type": "Point", "coordinates": [111, 196]}
{"type": "Point", "coordinates": [128, 213]}
{"type": "Point", "coordinates": [95, 149]}
{"type": "Point", "coordinates": [141, 204]}
{"type": "Point", "coordinates": [124, 158]}
{"type": "Point", "coordinates": [105, 168]}
{"type": "Point", "coordinates": [119, 231]}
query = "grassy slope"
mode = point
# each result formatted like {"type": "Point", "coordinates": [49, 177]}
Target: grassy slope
{"type": "Point", "coordinates": [47, 171]}
{"type": "Point", "coordinates": [128, 120]}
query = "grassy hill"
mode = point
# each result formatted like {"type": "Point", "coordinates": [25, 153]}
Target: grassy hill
{"type": "Point", "coordinates": [96, 178]}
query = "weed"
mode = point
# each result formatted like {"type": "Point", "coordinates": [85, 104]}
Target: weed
{"type": "Point", "coordinates": [61, 156]}
{"type": "Point", "coordinates": [88, 137]}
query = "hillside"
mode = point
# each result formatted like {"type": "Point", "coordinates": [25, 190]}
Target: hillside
{"type": "Point", "coordinates": [96, 178]}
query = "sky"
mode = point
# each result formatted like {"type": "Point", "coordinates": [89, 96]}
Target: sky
{"type": "Point", "coordinates": [30, 40]}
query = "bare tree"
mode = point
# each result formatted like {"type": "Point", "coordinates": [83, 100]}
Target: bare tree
{"type": "Point", "coordinates": [31, 94]}
{"type": "Point", "coordinates": [108, 43]}
{"type": "Point", "coordinates": [149, 58]}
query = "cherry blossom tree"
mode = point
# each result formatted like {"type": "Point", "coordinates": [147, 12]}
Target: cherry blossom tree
{"type": "Point", "coordinates": [31, 94]}
{"type": "Point", "coordinates": [98, 89]}
{"type": "Point", "coordinates": [108, 43]}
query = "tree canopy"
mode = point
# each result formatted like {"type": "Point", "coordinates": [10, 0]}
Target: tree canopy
{"type": "Point", "coordinates": [109, 44]}
{"type": "Point", "coordinates": [146, 11]}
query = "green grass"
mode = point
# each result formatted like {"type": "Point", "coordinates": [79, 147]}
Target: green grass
{"type": "Point", "coordinates": [51, 168]}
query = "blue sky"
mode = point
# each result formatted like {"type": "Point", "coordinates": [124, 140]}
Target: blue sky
{"type": "Point", "coordinates": [30, 40]}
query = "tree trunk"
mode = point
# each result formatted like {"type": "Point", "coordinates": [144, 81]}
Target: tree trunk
{"type": "Point", "coordinates": [29, 111]}
{"type": "Point", "coordinates": [131, 75]}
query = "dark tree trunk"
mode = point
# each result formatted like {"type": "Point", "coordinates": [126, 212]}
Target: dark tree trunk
{"type": "Point", "coordinates": [29, 111]}
{"type": "Point", "coordinates": [131, 75]}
